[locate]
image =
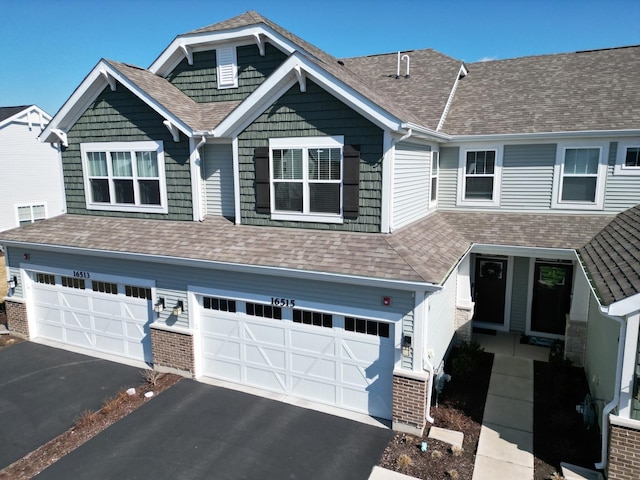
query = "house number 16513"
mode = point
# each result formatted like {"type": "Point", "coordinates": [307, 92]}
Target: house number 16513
{"type": "Point", "coordinates": [283, 302]}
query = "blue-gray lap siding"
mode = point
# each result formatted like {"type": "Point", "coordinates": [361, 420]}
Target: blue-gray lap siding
{"type": "Point", "coordinates": [172, 282]}
{"type": "Point", "coordinates": [314, 113]}
{"type": "Point", "coordinates": [527, 180]}
{"type": "Point", "coordinates": [120, 116]}
{"type": "Point", "coordinates": [199, 81]}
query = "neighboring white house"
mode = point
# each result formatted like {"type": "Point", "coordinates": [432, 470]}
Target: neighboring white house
{"type": "Point", "coordinates": [30, 171]}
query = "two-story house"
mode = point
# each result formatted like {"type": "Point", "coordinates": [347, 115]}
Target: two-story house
{"type": "Point", "coordinates": [251, 210]}
{"type": "Point", "coordinates": [30, 171]}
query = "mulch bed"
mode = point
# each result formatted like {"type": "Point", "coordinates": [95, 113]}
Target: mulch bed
{"type": "Point", "coordinates": [89, 424]}
{"type": "Point", "coordinates": [460, 408]}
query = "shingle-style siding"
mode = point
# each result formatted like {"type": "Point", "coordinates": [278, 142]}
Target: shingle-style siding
{"type": "Point", "coordinates": [314, 113]}
{"type": "Point", "coordinates": [411, 183]}
{"type": "Point", "coordinates": [519, 294]}
{"type": "Point", "coordinates": [448, 177]}
{"type": "Point", "coordinates": [635, 402]}
{"type": "Point", "coordinates": [120, 116]}
{"type": "Point", "coordinates": [199, 81]}
{"type": "Point", "coordinates": [527, 176]}
{"type": "Point", "coordinates": [623, 191]}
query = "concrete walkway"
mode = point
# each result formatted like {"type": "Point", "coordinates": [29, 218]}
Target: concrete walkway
{"type": "Point", "coordinates": [505, 448]}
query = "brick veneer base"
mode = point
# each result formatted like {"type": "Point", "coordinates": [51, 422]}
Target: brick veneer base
{"type": "Point", "coordinates": [624, 453]}
{"type": "Point", "coordinates": [172, 351]}
{"type": "Point", "coordinates": [575, 342]}
{"type": "Point", "coordinates": [17, 318]}
{"type": "Point", "coordinates": [463, 324]}
{"type": "Point", "coordinates": [409, 402]}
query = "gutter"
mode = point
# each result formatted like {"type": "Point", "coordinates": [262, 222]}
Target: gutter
{"type": "Point", "coordinates": [609, 407]}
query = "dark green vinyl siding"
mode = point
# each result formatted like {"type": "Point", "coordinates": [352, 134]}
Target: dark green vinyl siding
{"type": "Point", "coordinates": [199, 81]}
{"type": "Point", "coordinates": [635, 402]}
{"type": "Point", "coordinates": [120, 116]}
{"type": "Point", "coordinates": [314, 113]}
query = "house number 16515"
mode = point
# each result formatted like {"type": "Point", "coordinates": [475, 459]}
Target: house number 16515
{"type": "Point", "coordinates": [283, 302]}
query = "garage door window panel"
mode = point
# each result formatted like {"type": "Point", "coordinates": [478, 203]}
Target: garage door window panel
{"type": "Point", "coordinates": [220, 304]}
{"type": "Point", "coordinates": [317, 319]}
{"type": "Point", "coordinates": [370, 327]}
{"type": "Point", "coordinates": [45, 278]}
{"type": "Point", "coordinates": [137, 292]}
{"type": "Point", "coordinates": [72, 282]}
{"type": "Point", "coordinates": [265, 311]}
{"type": "Point", "coordinates": [104, 287]}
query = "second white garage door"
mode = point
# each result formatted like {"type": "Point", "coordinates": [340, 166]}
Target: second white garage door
{"type": "Point", "coordinates": [336, 360]}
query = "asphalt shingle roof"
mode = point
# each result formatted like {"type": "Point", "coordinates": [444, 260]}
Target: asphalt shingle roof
{"type": "Point", "coordinates": [613, 257]}
{"type": "Point", "coordinates": [425, 251]}
{"type": "Point", "coordinates": [591, 90]}
{"type": "Point", "coordinates": [199, 116]}
{"type": "Point", "coordinates": [7, 112]}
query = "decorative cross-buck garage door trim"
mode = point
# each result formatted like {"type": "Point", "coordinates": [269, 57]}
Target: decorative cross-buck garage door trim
{"type": "Point", "coordinates": [297, 352]}
{"type": "Point", "coordinates": [96, 315]}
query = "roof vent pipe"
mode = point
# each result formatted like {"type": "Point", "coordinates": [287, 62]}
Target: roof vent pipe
{"type": "Point", "coordinates": [406, 57]}
{"type": "Point", "coordinates": [400, 58]}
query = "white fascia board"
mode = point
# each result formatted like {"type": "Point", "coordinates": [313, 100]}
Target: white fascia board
{"type": "Point", "coordinates": [173, 54]}
{"type": "Point", "coordinates": [541, 136]}
{"type": "Point", "coordinates": [282, 79]}
{"type": "Point", "coordinates": [87, 92]}
{"type": "Point", "coordinates": [538, 252]}
{"type": "Point", "coordinates": [625, 307]}
{"type": "Point", "coordinates": [405, 285]}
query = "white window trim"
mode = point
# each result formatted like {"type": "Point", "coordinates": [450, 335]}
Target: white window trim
{"type": "Point", "coordinates": [497, 176]}
{"type": "Point", "coordinates": [232, 65]}
{"type": "Point", "coordinates": [156, 146]}
{"type": "Point", "coordinates": [304, 143]}
{"type": "Point", "coordinates": [435, 160]}
{"type": "Point", "coordinates": [31, 205]}
{"type": "Point", "coordinates": [621, 168]}
{"type": "Point", "coordinates": [558, 175]}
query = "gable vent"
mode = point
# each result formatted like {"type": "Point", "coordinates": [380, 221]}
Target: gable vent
{"type": "Point", "coordinates": [227, 67]}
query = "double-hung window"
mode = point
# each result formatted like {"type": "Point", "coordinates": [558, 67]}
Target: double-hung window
{"type": "Point", "coordinates": [479, 178]}
{"type": "Point", "coordinates": [628, 159]}
{"type": "Point", "coordinates": [579, 176]}
{"type": "Point", "coordinates": [126, 176]}
{"type": "Point", "coordinates": [306, 178]}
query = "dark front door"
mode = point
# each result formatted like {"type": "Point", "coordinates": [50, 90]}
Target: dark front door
{"type": "Point", "coordinates": [551, 297]}
{"type": "Point", "coordinates": [489, 290]}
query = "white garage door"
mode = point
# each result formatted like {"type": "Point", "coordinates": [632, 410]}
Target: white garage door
{"type": "Point", "coordinates": [309, 355]}
{"type": "Point", "coordinates": [106, 317]}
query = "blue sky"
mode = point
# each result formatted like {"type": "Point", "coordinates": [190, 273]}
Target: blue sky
{"type": "Point", "coordinates": [47, 47]}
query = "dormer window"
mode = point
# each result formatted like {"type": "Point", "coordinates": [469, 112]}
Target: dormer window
{"type": "Point", "coordinates": [227, 68]}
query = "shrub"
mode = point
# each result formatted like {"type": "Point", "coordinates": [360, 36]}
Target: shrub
{"type": "Point", "coordinates": [86, 418]}
{"type": "Point", "coordinates": [466, 359]}
{"type": "Point", "coordinates": [151, 376]}
{"type": "Point", "coordinates": [403, 461]}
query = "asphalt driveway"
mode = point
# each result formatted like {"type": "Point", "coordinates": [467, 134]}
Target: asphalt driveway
{"type": "Point", "coordinates": [43, 390]}
{"type": "Point", "coordinates": [198, 431]}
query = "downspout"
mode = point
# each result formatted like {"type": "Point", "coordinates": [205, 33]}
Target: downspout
{"type": "Point", "coordinates": [616, 393]}
{"type": "Point", "coordinates": [428, 366]}
{"type": "Point", "coordinates": [426, 362]}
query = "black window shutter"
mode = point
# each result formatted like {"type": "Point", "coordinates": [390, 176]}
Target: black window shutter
{"type": "Point", "coordinates": [351, 182]}
{"type": "Point", "coordinates": [261, 158]}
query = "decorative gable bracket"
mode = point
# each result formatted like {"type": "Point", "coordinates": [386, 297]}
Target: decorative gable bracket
{"type": "Point", "coordinates": [188, 53]}
{"type": "Point", "coordinates": [260, 43]}
{"type": "Point", "coordinates": [110, 80]}
{"type": "Point", "coordinates": [175, 133]}
{"type": "Point", "coordinates": [62, 136]}
{"type": "Point", "coordinates": [302, 79]}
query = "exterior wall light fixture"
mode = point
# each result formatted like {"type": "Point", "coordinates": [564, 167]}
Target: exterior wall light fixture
{"type": "Point", "coordinates": [159, 305]}
{"type": "Point", "coordinates": [177, 310]}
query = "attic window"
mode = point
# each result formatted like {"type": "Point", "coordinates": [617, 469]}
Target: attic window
{"type": "Point", "coordinates": [227, 69]}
